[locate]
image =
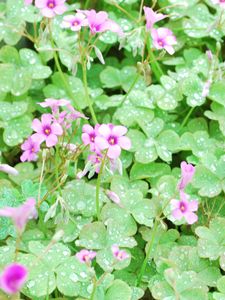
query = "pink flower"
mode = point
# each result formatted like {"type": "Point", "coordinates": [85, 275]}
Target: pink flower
{"type": "Point", "coordinates": [54, 104]}
{"type": "Point", "coordinates": [163, 38]}
{"type": "Point", "coordinates": [50, 8]}
{"type": "Point", "coordinates": [31, 148]}
{"type": "Point", "coordinates": [152, 17]}
{"type": "Point", "coordinates": [28, 2]}
{"type": "Point", "coordinates": [187, 173]}
{"type": "Point", "coordinates": [75, 22]}
{"type": "Point", "coordinates": [113, 196]}
{"type": "Point", "coordinates": [86, 256]}
{"type": "Point", "coordinates": [8, 169]}
{"type": "Point", "coordinates": [112, 138]}
{"type": "Point", "coordinates": [46, 130]}
{"type": "Point", "coordinates": [184, 209]}
{"type": "Point", "coordinates": [119, 254]}
{"type": "Point", "coordinates": [99, 22]}
{"type": "Point", "coordinates": [220, 2]}
{"type": "Point", "coordinates": [13, 278]}
{"type": "Point", "coordinates": [20, 215]}
{"type": "Point", "coordinates": [89, 134]}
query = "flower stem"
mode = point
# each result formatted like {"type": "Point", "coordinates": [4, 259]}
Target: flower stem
{"type": "Point", "coordinates": [148, 252]}
{"type": "Point", "coordinates": [64, 79]}
{"type": "Point", "coordinates": [187, 118]}
{"type": "Point", "coordinates": [158, 72]}
{"type": "Point", "coordinates": [131, 88]}
{"type": "Point", "coordinates": [93, 291]}
{"type": "Point", "coordinates": [84, 69]}
{"type": "Point", "coordinates": [98, 185]}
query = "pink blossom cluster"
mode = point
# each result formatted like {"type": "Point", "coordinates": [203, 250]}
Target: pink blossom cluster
{"type": "Point", "coordinates": [86, 256]}
{"type": "Point", "coordinates": [162, 37]}
{"type": "Point", "coordinates": [97, 22]}
{"type": "Point", "coordinates": [184, 207]}
{"type": "Point", "coordinates": [105, 138]}
{"type": "Point", "coordinates": [49, 128]}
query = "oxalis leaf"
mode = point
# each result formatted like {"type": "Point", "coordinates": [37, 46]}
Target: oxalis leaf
{"type": "Point", "coordinates": [211, 241]}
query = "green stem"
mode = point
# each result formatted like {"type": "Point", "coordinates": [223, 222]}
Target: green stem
{"type": "Point", "coordinates": [187, 118]}
{"type": "Point", "coordinates": [148, 252]}
{"type": "Point", "coordinates": [131, 88]}
{"type": "Point", "coordinates": [64, 79]}
{"type": "Point", "coordinates": [84, 69]}
{"type": "Point", "coordinates": [156, 69]}
{"type": "Point", "coordinates": [98, 185]}
{"type": "Point", "coordinates": [94, 291]}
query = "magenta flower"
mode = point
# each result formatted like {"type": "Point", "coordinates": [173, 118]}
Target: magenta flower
{"type": "Point", "coordinates": [89, 134]}
{"type": "Point", "coordinates": [152, 17]}
{"type": "Point", "coordinates": [187, 173]}
{"type": "Point", "coordinates": [31, 148]}
{"type": "Point", "coordinates": [119, 254]}
{"type": "Point", "coordinates": [46, 130]}
{"type": "Point", "coordinates": [113, 196]}
{"type": "Point", "coordinates": [220, 2]}
{"type": "Point", "coordinates": [50, 8]}
{"type": "Point", "coordinates": [75, 22]}
{"type": "Point", "coordinates": [20, 215]}
{"type": "Point", "coordinates": [99, 22]}
{"type": "Point", "coordinates": [13, 278]}
{"type": "Point", "coordinates": [86, 256]}
{"type": "Point", "coordinates": [54, 104]}
{"type": "Point", "coordinates": [8, 170]}
{"type": "Point", "coordinates": [112, 138]}
{"type": "Point", "coordinates": [184, 209]}
{"type": "Point", "coordinates": [163, 38]}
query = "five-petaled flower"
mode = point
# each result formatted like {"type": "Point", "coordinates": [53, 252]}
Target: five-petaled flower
{"type": "Point", "coordinates": [30, 148]}
{"type": "Point", "coordinates": [112, 138]}
{"type": "Point", "coordinates": [119, 254]}
{"type": "Point", "coordinates": [184, 208]}
{"type": "Point", "coordinates": [89, 134]}
{"type": "Point", "coordinates": [75, 22]}
{"type": "Point", "coordinates": [13, 278]}
{"type": "Point", "coordinates": [46, 130]}
{"type": "Point", "coordinates": [163, 38]}
{"type": "Point", "coordinates": [187, 173]}
{"type": "Point", "coordinates": [152, 17]}
{"type": "Point", "coordinates": [99, 22]}
{"type": "Point", "coordinates": [50, 8]}
{"type": "Point", "coordinates": [22, 214]}
{"type": "Point", "coordinates": [86, 256]}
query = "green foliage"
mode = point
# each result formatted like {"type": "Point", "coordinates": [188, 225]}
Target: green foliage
{"type": "Point", "coordinates": [174, 109]}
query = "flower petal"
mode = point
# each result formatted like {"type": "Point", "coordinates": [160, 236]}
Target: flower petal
{"type": "Point", "coordinates": [114, 151]}
{"type": "Point", "coordinates": [51, 140]}
{"type": "Point", "coordinates": [124, 142]}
